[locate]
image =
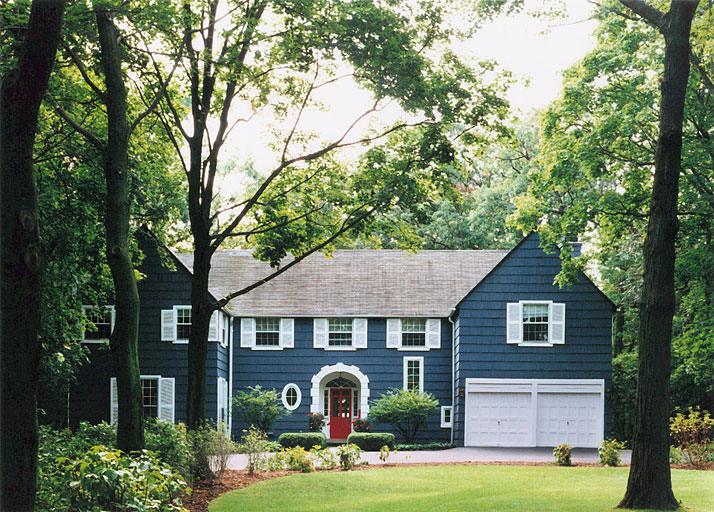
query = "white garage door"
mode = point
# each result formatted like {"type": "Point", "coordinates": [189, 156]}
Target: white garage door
{"type": "Point", "coordinates": [517, 412]}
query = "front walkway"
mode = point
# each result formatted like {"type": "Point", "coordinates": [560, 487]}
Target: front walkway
{"type": "Point", "coordinates": [582, 455]}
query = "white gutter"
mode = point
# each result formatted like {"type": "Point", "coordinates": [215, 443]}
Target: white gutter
{"type": "Point", "coordinates": [230, 376]}
{"type": "Point", "coordinates": [453, 370]}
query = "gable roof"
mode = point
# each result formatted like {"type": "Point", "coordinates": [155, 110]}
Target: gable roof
{"type": "Point", "coordinates": [373, 283]}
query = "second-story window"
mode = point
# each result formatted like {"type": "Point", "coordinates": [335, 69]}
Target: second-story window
{"type": "Point", "coordinates": [183, 323]}
{"type": "Point", "coordinates": [339, 332]}
{"type": "Point", "coordinates": [414, 332]}
{"type": "Point", "coordinates": [267, 332]}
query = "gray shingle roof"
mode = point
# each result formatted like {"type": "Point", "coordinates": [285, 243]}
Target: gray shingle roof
{"type": "Point", "coordinates": [352, 282]}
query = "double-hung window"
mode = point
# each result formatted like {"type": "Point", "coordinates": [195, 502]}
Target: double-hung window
{"type": "Point", "coordinates": [99, 325]}
{"type": "Point", "coordinates": [339, 333]}
{"type": "Point", "coordinates": [150, 392]}
{"type": "Point", "coordinates": [414, 374]}
{"type": "Point", "coordinates": [267, 332]}
{"type": "Point", "coordinates": [414, 333]}
{"type": "Point", "coordinates": [176, 325]}
{"type": "Point", "coordinates": [535, 323]}
{"type": "Point", "coordinates": [183, 323]}
{"type": "Point", "coordinates": [157, 397]}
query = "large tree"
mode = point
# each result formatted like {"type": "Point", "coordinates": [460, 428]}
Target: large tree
{"type": "Point", "coordinates": [21, 94]}
{"type": "Point", "coordinates": [243, 59]}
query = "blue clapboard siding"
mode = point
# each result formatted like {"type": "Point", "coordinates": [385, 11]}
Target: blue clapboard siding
{"type": "Point", "coordinates": [161, 288]}
{"type": "Point", "coordinates": [383, 367]}
{"type": "Point", "coordinates": [481, 350]}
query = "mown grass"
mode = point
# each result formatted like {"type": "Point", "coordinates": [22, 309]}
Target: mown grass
{"type": "Point", "coordinates": [458, 488]}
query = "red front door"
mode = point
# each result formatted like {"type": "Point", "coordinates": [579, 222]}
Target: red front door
{"type": "Point", "coordinates": [340, 413]}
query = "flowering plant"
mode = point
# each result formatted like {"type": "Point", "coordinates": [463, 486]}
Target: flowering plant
{"type": "Point", "coordinates": [316, 421]}
{"type": "Point", "coordinates": [361, 425]}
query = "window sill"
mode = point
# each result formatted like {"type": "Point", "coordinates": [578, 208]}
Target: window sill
{"type": "Point", "coordinates": [96, 342]}
{"type": "Point", "coordinates": [180, 342]}
{"type": "Point", "coordinates": [265, 348]}
{"type": "Point", "coordinates": [337, 349]}
{"type": "Point", "coordinates": [414, 349]}
{"type": "Point", "coordinates": [447, 425]}
{"type": "Point", "coordinates": [534, 344]}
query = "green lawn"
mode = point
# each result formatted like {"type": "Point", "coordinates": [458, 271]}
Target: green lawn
{"type": "Point", "coordinates": [456, 488]}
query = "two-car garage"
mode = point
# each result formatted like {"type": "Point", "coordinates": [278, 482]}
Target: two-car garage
{"type": "Point", "coordinates": [534, 412]}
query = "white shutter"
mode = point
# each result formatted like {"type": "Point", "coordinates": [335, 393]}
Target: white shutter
{"type": "Point", "coordinates": [219, 400]}
{"type": "Point", "coordinates": [113, 401]}
{"type": "Point", "coordinates": [557, 324]}
{"type": "Point", "coordinates": [168, 325]}
{"type": "Point", "coordinates": [166, 399]}
{"type": "Point", "coordinates": [287, 332]}
{"type": "Point", "coordinates": [319, 337]}
{"type": "Point", "coordinates": [513, 322]}
{"type": "Point", "coordinates": [394, 333]}
{"type": "Point", "coordinates": [433, 333]}
{"type": "Point", "coordinates": [247, 332]}
{"type": "Point", "coordinates": [359, 333]}
{"type": "Point", "coordinates": [213, 327]}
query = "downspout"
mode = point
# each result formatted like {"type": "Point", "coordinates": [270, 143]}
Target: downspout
{"type": "Point", "coordinates": [230, 377]}
{"type": "Point", "coordinates": [453, 369]}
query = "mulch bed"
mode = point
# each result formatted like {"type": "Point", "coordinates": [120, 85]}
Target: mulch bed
{"type": "Point", "coordinates": [203, 493]}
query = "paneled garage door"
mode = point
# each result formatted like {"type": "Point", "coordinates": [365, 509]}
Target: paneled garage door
{"type": "Point", "coordinates": [502, 412]}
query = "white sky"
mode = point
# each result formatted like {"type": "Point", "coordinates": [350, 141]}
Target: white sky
{"type": "Point", "coordinates": [534, 49]}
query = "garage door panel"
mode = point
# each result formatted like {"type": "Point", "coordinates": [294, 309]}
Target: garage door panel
{"type": "Point", "coordinates": [572, 418]}
{"type": "Point", "coordinates": [499, 419]}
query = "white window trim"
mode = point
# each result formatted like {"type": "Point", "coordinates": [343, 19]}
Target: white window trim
{"type": "Point", "coordinates": [356, 331]}
{"type": "Point", "coordinates": [283, 343]}
{"type": "Point", "coordinates": [113, 397]}
{"type": "Point", "coordinates": [177, 340]}
{"type": "Point", "coordinates": [426, 348]}
{"type": "Point", "coordinates": [283, 396]}
{"type": "Point", "coordinates": [421, 372]}
{"type": "Point", "coordinates": [536, 344]}
{"type": "Point", "coordinates": [86, 308]}
{"type": "Point", "coordinates": [444, 423]}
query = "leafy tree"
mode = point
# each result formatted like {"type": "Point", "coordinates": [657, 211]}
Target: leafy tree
{"type": "Point", "coordinates": [405, 410]}
{"type": "Point", "coordinates": [21, 93]}
{"type": "Point", "coordinates": [275, 57]}
{"type": "Point", "coordinates": [259, 407]}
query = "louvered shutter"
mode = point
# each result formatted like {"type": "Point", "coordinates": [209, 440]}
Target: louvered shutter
{"type": "Point", "coordinates": [219, 401]}
{"type": "Point", "coordinates": [247, 332]}
{"type": "Point", "coordinates": [287, 332]}
{"type": "Point", "coordinates": [433, 333]}
{"type": "Point", "coordinates": [113, 401]}
{"type": "Point", "coordinates": [513, 322]}
{"type": "Point", "coordinates": [168, 325]}
{"type": "Point", "coordinates": [213, 327]}
{"type": "Point", "coordinates": [394, 333]}
{"type": "Point", "coordinates": [359, 333]}
{"type": "Point", "coordinates": [166, 399]}
{"type": "Point", "coordinates": [557, 324]}
{"type": "Point", "coordinates": [319, 337]}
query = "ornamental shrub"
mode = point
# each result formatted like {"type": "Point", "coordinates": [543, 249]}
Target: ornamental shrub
{"type": "Point", "coordinates": [315, 421]}
{"type": "Point", "coordinates": [562, 454]}
{"type": "Point", "coordinates": [385, 453]}
{"type": "Point", "coordinates": [694, 434]}
{"type": "Point", "coordinates": [169, 441]}
{"type": "Point", "coordinates": [298, 459]}
{"type": "Point", "coordinates": [210, 449]}
{"type": "Point", "coordinates": [254, 444]}
{"type": "Point", "coordinates": [609, 452]}
{"type": "Point", "coordinates": [349, 455]}
{"type": "Point", "coordinates": [323, 457]}
{"type": "Point", "coordinates": [259, 407]}
{"type": "Point", "coordinates": [406, 411]}
{"type": "Point", "coordinates": [371, 442]}
{"type": "Point", "coordinates": [361, 425]}
{"type": "Point", "coordinates": [305, 439]}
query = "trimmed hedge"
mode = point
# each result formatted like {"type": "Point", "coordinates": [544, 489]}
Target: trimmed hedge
{"type": "Point", "coordinates": [371, 441]}
{"type": "Point", "coordinates": [423, 446]}
{"type": "Point", "coordinates": [305, 439]}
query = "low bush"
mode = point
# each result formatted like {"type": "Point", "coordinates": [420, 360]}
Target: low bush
{"type": "Point", "coordinates": [298, 459]}
{"type": "Point", "coordinates": [349, 455]}
{"type": "Point", "coordinates": [305, 439]}
{"type": "Point", "coordinates": [259, 407]}
{"type": "Point", "coordinates": [108, 480]}
{"type": "Point", "coordinates": [562, 455]}
{"type": "Point", "coordinates": [693, 433]}
{"type": "Point", "coordinates": [423, 446]}
{"type": "Point", "coordinates": [609, 452]}
{"type": "Point", "coordinates": [324, 457]}
{"type": "Point", "coordinates": [254, 443]}
{"type": "Point", "coordinates": [210, 449]}
{"type": "Point", "coordinates": [371, 441]}
{"type": "Point", "coordinates": [405, 410]}
{"type": "Point", "coordinates": [385, 453]}
{"type": "Point", "coordinates": [169, 441]}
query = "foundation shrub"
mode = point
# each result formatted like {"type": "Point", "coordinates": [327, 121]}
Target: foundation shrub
{"type": "Point", "coordinates": [304, 439]}
{"type": "Point", "coordinates": [371, 441]}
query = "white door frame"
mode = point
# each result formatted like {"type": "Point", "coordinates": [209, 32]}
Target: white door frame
{"type": "Point", "coordinates": [534, 387]}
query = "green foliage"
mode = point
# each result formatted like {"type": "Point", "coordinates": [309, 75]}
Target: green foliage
{"type": "Point", "coordinates": [324, 458]}
{"type": "Point", "coordinates": [423, 446]}
{"type": "Point", "coordinates": [305, 439]}
{"type": "Point", "coordinates": [298, 459]}
{"type": "Point", "coordinates": [385, 453]}
{"type": "Point", "coordinates": [259, 407]}
{"type": "Point", "coordinates": [210, 449]}
{"type": "Point", "coordinates": [349, 455]}
{"type": "Point", "coordinates": [315, 421]}
{"type": "Point", "coordinates": [371, 442]}
{"type": "Point", "coordinates": [361, 425]}
{"type": "Point", "coordinates": [694, 434]}
{"type": "Point", "coordinates": [406, 411]}
{"type": "Point", "coordinates": [624, 387]}
{"type": "Point", "coordinates": [107, 480]}
{"type": "Point", "coordinates": [170, 442]}
{"type": "Point", "coordinates": [562, 454]}
{"type": "Point", "coordinates": [609, 452]}
{"type": "Point", "coordinates": [254, 444]}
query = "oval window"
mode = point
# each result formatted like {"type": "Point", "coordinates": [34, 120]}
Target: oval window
{"type": "Point", "coordinates": [291, 397]}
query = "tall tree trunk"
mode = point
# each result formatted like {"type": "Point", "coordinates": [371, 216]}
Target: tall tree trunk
{"type": "Point", "coordinates": [649, 484]}
{"type": "Point", "coordinates": [21, 260]}
{"type": "Point", "coordinates": [618, 329]}
{"type": "Point", "coordinates": [124, 338]}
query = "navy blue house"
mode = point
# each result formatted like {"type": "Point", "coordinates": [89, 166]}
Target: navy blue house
{"type": "Point", "coordinates": [512, 359]}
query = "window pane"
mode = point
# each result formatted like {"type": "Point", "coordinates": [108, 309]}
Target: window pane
{"type": "Point", "coordinates": [267, 324]}
{"type": "Point", "coordinates": [535, 322]}
{"type": "Point", "coordinates": [413, 375]}
{"type": "Point", "coordinates": [267, 332]}
{"type": "Point", "coordinates": [150, 392]}
{"type": "Point", "coordinates": [340, 332]}
{"type": "Point", "coordinates": [264, 339]}
{"type": "Point", "coordinates": [414, 325]}
{"type": "Point", "coordinates": [291, 396]}
{"type": "Point", "coordinates": [102, 320]}
{"type": "Point", "coordinates": [183, 323]}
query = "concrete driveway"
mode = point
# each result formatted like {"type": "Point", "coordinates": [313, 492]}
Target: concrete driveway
{"type": "Point", "coordinates": [583, 455]}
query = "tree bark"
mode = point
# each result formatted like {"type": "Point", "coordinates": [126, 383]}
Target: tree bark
{"type": "Point", "coordinates": [649, 484]}
{"type": "Point", "coordinates": [124, 339]}
{"type": "Point", "coordinates": [21, 258]}
{"type": "Point", "coordinates": [618, 329]}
